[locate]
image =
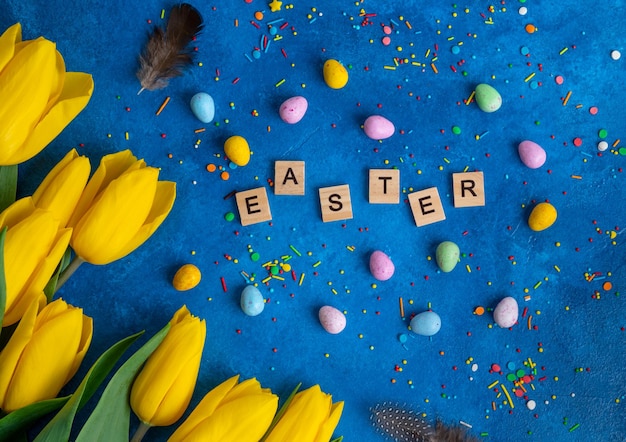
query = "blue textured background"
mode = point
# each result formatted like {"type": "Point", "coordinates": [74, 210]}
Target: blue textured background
{"type": "Point", "coordinates": [579, 341]}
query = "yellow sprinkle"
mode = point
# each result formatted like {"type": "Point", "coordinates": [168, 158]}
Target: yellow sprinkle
{"type": "Point", "coordinates": [162, 14]}
{"type": "Point", "coordinates": [126, 135]}
{"type": "Point", "coordinates": [506, 393]}
{"type": "Point", "coordinates": [569, 94]}
{"type": "Point", "coordinates": [557, 268]}
{"type": "Point", "coordinates": [537, 285]}
{"type": "Point", "coordinates": [280, 82]}
{"type": "Point", "coordinates": [301, 279]}
{"type": "Point", "coordinates": [493, 384]}
{"type": "Point", "coordinates": [416, 63]}
{"type": "Point", "coordinates": [395, 62]}
{"type": "Point", "coordinates": [471, 97]}
{"type": "Point", "coordinates": [427, 53]}
{"type": "Point", "coordinates": [334, 291]}
{"type": "Point", "coordinates": [467, 267]}
{"type": "Point", "coordinates": [280, 278]}
{"type": "Point", "coordinates": [390, 68]}
{"type": "Point", "coordinates": [563, 51]}
{"type": "Point", "coordinates": [446, 160]}
{"type": "Point", "coordinates": [266, 279]}
{"type": "Point", "coordinates": [317, 264]}
{"type": "Point", "coordinates": [529, 77]}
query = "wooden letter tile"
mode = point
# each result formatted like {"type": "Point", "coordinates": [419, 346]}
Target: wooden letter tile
{"type": "Point", "coordinates": [335, 203]}
{"type": "Point", "coordinates": [289, 178]}
{"type": "Point", "coordinates": [384, 186]}
{"type": "Point", "coordinates": [468, 189]}
{"type": "Point", "coordinates": [253, 205]}
{"type": "Point", "coordinates": [426, 206]}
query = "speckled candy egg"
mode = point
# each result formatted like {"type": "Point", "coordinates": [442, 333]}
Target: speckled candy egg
{"type": "Point", "coordinates": [252, 302]}
{"type": "Point", "coordinates": [381, 266]}
{"type": "Point", "coordinates": [332, 320]}
{"type": "Point", "coordinates": [293, 109]}
{"type": "Point", "coordinates": [487, 98]}
{"type": "Point", "coordinates": [447, 255]}
{"type": "Point", "coordinates": [203, 107]}
{"type": "Point", "coordinates": [237, 150]}
{"type": "Point", "coordinates": [378, 127]}
{"type": "Point", "coordinates": [335, 74]}
{"type": "Point", "coordinates": [427, 323]}
{"type": "Point", "coordinates": [531, 154]}
{"type": "Point", "coordinates": [506, 312]}
{"type": "Point", "coordinates": [542, 216]}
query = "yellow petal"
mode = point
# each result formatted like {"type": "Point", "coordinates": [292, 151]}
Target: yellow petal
{"type": "Point", "coordinates": [27, 244]}
{"type": "Point", "coordinates": [163, 388]}
{"type": "Point", "coordinates": [163, 203]}
{"type": "Point", "coordinates": [76, 93]}
{"type": "Point", "coordinates": [83, 346]}
{"type": "Point", "coordinates": [17, 211]}
{"type": "Point", "coordinates": [30, 382]}
{"type": "Point", "coordinates": [328, 427]}
{"type": "Point", "coordinates": [111, 166]}
{"type": "Point", "coordinates": [25, 85]}
{"type": "Point", "coordinates": [204, 409]}
{"type": "Point", "coordinates": [8, 40]}
{"type": "Point", "coordinates": [11, 354]}
{"type": "Point", "coordinates": [116, 217]}
{"type": "Point", "coordinates": [61, 189]}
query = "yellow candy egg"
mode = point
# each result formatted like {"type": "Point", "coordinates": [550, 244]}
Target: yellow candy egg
{"type": "Point", "coordinates": [186, 278]}
{"type": "Point", "coordinates": [335, 74]}
{"type": "Point", "coordinates": [542, 216]}
{"type": "Point", "coordinates": [237, 150]}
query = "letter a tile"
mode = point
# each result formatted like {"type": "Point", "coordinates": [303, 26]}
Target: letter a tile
{"type": "Point", "coordinates": [289, 178]}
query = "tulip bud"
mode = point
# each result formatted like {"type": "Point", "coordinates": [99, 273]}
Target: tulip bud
{"type": "Point", "coordinates": [231, 411]}
{"type": "Point", "coordinates": [121, 207]}
{"type": "Point", "coordinates": [34, 244]}
{"type": "Point", "coordinates": [61, 189]}
{"type": "Point", "coordinates": [39, 98]}
{"type": "Point", "coordinates": [33, 366]}
{"type": "Point", "coordinates": [311, 416]}
{"type": "Point", "coordinates": [162, 390]}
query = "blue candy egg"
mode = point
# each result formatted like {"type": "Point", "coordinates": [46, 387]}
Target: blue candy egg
{"type": "Point", "coordinates": [426, 323]}
{"type": "Point", "coordinates": [203, 107]}
{"type": "Point", "coordinates": [252, 302]}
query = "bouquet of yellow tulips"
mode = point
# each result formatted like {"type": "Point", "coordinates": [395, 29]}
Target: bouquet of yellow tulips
{"type": "Point", "coordinates": [74, 217]}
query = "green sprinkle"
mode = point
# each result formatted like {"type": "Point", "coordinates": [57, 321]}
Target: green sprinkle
{"type": "Point", "coordinates": [229, 216]}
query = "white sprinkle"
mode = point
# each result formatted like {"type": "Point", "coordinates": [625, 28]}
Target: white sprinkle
{"type": "Point", "coordinates": [531, 404]}
{"type": "Point", "coordinates": [615, 55]}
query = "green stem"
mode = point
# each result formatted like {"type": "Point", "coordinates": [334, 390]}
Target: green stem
{"type": "Point", "coordinates": [141, 432]}
{"type": "Point", "coordinates": [69, 271]}
{"type": "Point", "coordinates": [8, 186]}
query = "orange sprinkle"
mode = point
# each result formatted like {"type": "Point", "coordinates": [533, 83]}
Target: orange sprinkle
{"type": "Point", "coordinates": [530, 28]}
{"type": "Point", "coordinates": [607, 285]}
{"type": "Point", "coordinates": [225, 175]}
{"type": "Point", "coordinates": [211, 167]}
{"type": "Point", "coordinates": [167, 100]}
{"type": "Point", "coordinates": [480, 310]}
{"type": "Point", "coordinates": [258, 15]}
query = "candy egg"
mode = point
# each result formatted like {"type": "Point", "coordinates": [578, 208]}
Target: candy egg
{"type": "Point", "coordinates": [203, 107]}
{"type": "Point", "coordinates": [186, 277]}
{"type": "Point", "coordinates": [427, 323]}
{"type": "Point", "coordinates": [335, 74]}
{"type": "Point", "coordinates": [447, 256]}
{"type": "Point", "coordinates": [378, 128]}
{"type": "Point", "coordinates": [381, 266]}
{"type": "Point", "coordinates": [506, 312]}
{"type": "Point", "coordinates": [252, 302]}
{"type": "Point", "coordinates": [332, 320]}
{"type": "Point", "coordinates": [293, 109]}
{"type": "Point", "coordinates": [531, 154]}
{"type": "Point", "coordinates": [542, 216]}
{"type": "Point", "coordinates": [237, 150]}
{"type": "Point", "coordinates": [487, 98]}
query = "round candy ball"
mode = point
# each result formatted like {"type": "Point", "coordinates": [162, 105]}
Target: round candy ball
{"type": "Point", "coordinates": [542, 216]}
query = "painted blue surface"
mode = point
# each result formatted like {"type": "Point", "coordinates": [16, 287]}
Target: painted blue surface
{"type": "Point", "coordinates": [575, 338]}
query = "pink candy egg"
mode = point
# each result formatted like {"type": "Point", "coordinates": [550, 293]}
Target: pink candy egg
{"type": "Point", "coordinates": [332, 320]}
{"type": "Point", "coordinates": [506, 312]}
{"type": "Point", "coordinates": [381, 266]}
{"type": "Point", "coordinates": [531, 154]}
{"type": "Point", "coordinates": [293, 109]}
{"type": "Point", "coordinates": [378, 128]}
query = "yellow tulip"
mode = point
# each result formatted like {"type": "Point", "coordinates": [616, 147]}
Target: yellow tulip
{"type": "Point", "coordinates": [39, 98]}
{"type": "Point", "coordinates": [34, 366]}
{"type": "Point", "coordinates": [162, 390]}
{"type": "Point", "coordinates": [311, 416]}
{"type": "Point", "coordinates": [61, 189]}
{"type": "Point", "coordinates": [231, 412]}
{"type": "Point", "coordinates": [121, 207]}
{"type": "Point", "coordinates": [34, 244]}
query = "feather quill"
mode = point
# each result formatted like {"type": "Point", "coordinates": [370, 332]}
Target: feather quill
{"type": "Point", "coordinates": [166, 53]}
{"type": "Point", "coordinates": [402, 425]}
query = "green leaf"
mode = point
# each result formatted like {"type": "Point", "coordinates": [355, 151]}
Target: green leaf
{"type": "Point", "coordinates": [338, 439]}
{"type": "Point", "coordinates": [8, 186]}
{"type": "Point", "coordinates": [3, 282]}
{"type": "Point", "coordinates": [59, 428]}
{"type": "Point", "coordinates": [281, 411]}
{"type": "Point", "coordinates": [21, 419]}
{"type": "Point", "coordinates": [50, 288]}
{"type": "Point", "coordinates": [110, 420]}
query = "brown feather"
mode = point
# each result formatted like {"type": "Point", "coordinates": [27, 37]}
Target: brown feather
{"type": "Point", "coordinates": [403, 425]}
{"type": "Point", "coordinates": [166, 53]}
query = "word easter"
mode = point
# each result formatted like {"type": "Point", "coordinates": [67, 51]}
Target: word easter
{"type": "Point", "coordinates": [384, 188]}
